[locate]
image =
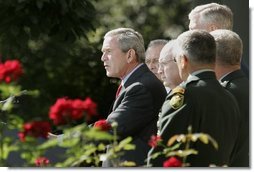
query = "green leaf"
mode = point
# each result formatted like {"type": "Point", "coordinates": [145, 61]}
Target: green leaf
{"type": "Point", "coordinates": [98, 135]}
{"type": "Point", "coordinates": [49, 143]}
{"type": "Point", "coordinates": [129, 147]}
{"type": "Point", "coordinates": [182, 153]}
{"type": "Point", "coordinates": [124, 142]}
{"type": "Point", "coordinates": [127, 164]}
{"type": "Point", "coordinates": [155, 155]}
{"type": "Point", "coordinates": [15, 122]}
{"type": "Point", "coordinates": [203, 138]}
{"type": "Point", "coordinates": [69, 142]}
{"type": "Point", "coordinates": [101, 147]}
{"type": "Point", "coordinates": [8, 104]}
{"type": "Point", "coordinates": [169, 149]}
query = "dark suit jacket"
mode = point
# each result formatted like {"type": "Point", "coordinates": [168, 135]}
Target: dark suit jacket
{"type": "Point", "coordinates": [136, 112]}
{"type": "Point", "coordinates": [237, 83]}
{"type": "Point", "coordinates": [245, 68]}
{"type": "Point", "coordinates": [208, 108]}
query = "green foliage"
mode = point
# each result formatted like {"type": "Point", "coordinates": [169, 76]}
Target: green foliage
{"type": "Point", "coordinates": [177, 142]}
{"type": "Point", "coordinates": [8, 121]}
{"type": "Point", "coordinates": [86, 146]}
{"type": "Point", "coordinates": [152, 18]}
{"type": "Point", "coordinates": [59, 42]}
{"type": "Point", "coordinates": [28, 19]}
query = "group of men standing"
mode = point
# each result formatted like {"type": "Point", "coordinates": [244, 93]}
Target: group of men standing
{"type": "Point", "coordinates": [196, 80]}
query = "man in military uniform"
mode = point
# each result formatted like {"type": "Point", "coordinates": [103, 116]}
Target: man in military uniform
{"type": "Point", "coordinates": [200, 102]}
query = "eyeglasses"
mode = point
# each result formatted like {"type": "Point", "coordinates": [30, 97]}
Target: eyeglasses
{"type": "Point", "coordinates": [153, 61]}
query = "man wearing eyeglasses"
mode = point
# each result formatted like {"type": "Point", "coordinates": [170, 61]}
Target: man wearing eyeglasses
{"type": "Point", "coordinates": [200, 102]}
{"type": "Point", "coordinates": [168, 70]}
{"type": "Point", "coordinates": [153, 53]}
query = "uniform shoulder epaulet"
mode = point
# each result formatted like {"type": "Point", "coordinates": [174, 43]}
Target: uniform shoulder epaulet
{"type": "Point", "coordinates": [178, 89]}
{"type": "Point", "coordinates": [177, 99]}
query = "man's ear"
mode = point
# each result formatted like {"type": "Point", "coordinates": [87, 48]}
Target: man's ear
{"type": "Point", "coordinates": [184, 61]}
{"type": "Point", "coordinates": [130, 55]}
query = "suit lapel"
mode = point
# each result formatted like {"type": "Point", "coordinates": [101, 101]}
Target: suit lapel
{"type": "Point", "coordinates": [133, 78]}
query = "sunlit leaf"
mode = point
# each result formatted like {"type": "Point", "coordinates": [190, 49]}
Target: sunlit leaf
{"type": "Point", "coordinates": [49, 143]}
{"type": "Point", "coordinates": [101, 147]}
{"type": "Point", "coordinates": [181, 138]}
{"type": "Point", "coordinates": [203, 138]}
{"type": "Point", "coordinates": [127, 164]}
{"type": "Point", "coordinates": [69, 142]}
{"type": "Point", "coordinates": [98, 135]}
{"type": "Point", "coordinates": [194, 137]}
{"type": "Point", "coordinates": [172, 148]}
{"type": "Point", "coordinates": [155, 155]}
{"type": "Point", "coordinates": [129, 147]}
{"type": "Point", "coordinates": [172, 140]}
{"type": "Point", "coordinates": [213, 141]}
{"type": "Point", "coordinates": [182, 153]}
{"type": "Point", "coordinates": [8, 104]}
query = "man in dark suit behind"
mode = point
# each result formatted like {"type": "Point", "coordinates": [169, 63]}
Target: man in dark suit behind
{"type": "Point", "coordinates": [201, 102]}
{"type": "Point", "coordinates": [229, 50]}
{"type": "Point", "coordinates": [214, 16]}
{"type": "Point", "coordinates": [138, 103]}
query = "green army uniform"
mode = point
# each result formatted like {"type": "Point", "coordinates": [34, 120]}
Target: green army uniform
{"type": "Point", "coordinates": [200, 102]}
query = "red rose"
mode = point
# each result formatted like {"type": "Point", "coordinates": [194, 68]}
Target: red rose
{"type": "Point", "coordinates": [66, 110]}
{"type": "Point", "coordinates": [172, 162]}
{"type": "Point", "coordinates": [102, 125]}
{"type": "Point", "coordinates": [10, 70]}
{"type": "Point", "coordinates": [35, 129]}
{"type": "Point", "coordinates": [78, 108]}
{"type": "Point", "coordinates": [154, 140]}
{"type": "Point", "coordinates": [90, 106]}
{"type": "Point", "coordinates": [22, 136]}
{"type": "Point", "coordinates": [41, 161]}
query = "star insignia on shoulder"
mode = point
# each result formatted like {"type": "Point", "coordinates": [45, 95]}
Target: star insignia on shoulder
{"type": "Point", "coordinates": [177, 99]}
{"type": "Point", "coordinates": [224, 83]}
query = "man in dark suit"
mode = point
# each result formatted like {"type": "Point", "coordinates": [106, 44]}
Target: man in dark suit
{"type": "Point", "coordinates": [201, 102]}
{"type": "Point", "coordinates": [214, 16]}
{"type": "Point", "coordinates": [229, 50]}
{"type": "Point", "coordinates": [141, 95]}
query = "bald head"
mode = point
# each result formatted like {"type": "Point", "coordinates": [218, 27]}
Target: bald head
{"type": "Point", "coordinates": [167, 67]}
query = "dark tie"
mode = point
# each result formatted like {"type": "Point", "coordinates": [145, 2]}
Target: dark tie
{"type": "Point", "coordinates": [118, 90]}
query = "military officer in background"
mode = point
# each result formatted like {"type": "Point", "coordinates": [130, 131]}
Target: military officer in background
{"type": "Point", "coordinates": [201, 102]}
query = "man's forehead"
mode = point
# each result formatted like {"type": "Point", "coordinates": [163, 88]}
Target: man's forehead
{"type": "Point", "coordinates": [109, 42]}
{"type": "Point", "coordinates": [163, 58]}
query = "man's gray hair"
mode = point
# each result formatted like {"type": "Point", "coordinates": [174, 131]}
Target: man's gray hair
{"type": "Point", "coordinates": [229, 47]}
{"type": "Point", "coordinates": [170, 48]}
{"type": "Point", "coordinates": [157, 42]}
{"type": "Point", "coordinates": [129, 39]}
{"type": "Point", "coordinates": [213, 13]}
{"type": "Point", "coordinates": [198, 46]}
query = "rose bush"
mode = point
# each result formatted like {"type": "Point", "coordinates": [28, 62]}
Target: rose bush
{"type": "Point", "coordinates": [176, 157]}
